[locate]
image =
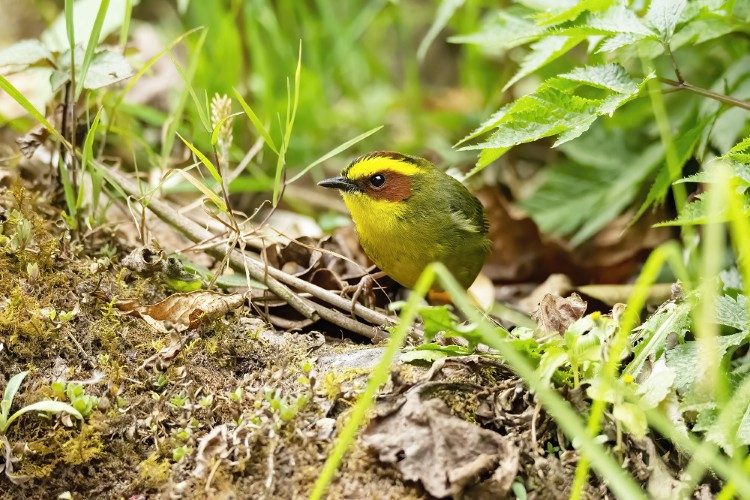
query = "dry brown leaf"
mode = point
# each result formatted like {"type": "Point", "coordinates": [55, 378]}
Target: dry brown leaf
{"type": "Point", "coordinates": [184, 311]}
{"type": "Point", "coordinates": [445, 453]}
{"type": "Point", "coordinates": [520, 253]}
{"type": "Point", "coordinates": [212, 445]}
{"type": "Point", "coordinates": [556, 314]}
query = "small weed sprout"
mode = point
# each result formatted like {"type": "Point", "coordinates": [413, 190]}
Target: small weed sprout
{"type": "Point", "coordinates": [6, 418]}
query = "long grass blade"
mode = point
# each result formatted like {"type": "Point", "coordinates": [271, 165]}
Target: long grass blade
{"type": "Point", "coordinates": [334, 152]}
{"type": "Point", "coordinates": [93, 42]}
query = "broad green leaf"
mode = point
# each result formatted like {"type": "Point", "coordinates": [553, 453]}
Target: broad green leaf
{"type": "Point", "coordinates": [685, 361]}
{"type": "Point", "coordinates": [553, 358]}
{"type": "Point", "coordinates": [444, 13]}
{"type": "Point", "coordinates": [107, 67]}
{"type": "Point", "coordinates": [619, 19]}
{"type": "Point", "coordinates": [91, 45]}
{"type": "Point", "coordinates": [22, 55]}
{"type": "Point", "coordinates": [45, 406]}
{"type": "Point", "coordinates": [55, 37]}
{"type": "Point", "coordinates": [657, 385]}
{"type": "Point", "coordinates": [609, 77]}
{"type": "Point", "coordinates": [10, 392]}
{"type": "Point", "coordinates": [543, 52]}
{"type": "Point", "coordinates": [663, 16]}
{"type": "Point", "coordinates": [632, 417]}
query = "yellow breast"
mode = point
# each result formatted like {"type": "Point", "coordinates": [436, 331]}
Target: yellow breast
{"type": "Point", "coordinates": [385, 237]}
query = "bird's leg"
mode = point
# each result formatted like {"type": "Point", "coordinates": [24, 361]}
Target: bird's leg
{"type": "Point", "coordinates": [363, 289]}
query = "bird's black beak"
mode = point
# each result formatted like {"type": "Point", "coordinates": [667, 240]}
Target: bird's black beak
{"type": "Point", "coordinates": [341, 183]}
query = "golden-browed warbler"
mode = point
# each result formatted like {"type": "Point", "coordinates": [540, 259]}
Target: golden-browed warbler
{"type": "Point", "coordinates": [409, 213]}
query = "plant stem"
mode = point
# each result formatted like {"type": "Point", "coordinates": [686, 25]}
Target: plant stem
{"type": "Point", "coordinates": [731, 101]}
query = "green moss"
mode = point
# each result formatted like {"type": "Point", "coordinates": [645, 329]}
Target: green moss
{"type": "Point", "coordinates": [153, 471]}
{"type": "Point", "coordinates": [83, 447]}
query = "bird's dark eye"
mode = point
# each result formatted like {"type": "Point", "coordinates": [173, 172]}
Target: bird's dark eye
{"type": "Point", "coordinates": [377, 181]}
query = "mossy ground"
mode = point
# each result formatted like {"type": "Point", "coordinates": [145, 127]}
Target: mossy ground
{"type": "Point", "coordinates": [235, 413]}
{"type": "Point", "coordinates": [144, 436]}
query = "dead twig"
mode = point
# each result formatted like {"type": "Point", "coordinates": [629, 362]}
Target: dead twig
{"type": "Point", "coordinates": [278, 281]}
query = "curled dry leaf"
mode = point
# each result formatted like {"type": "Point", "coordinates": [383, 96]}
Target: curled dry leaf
{"type": "Point", "coordinates": [556, 314]}
{"type": "Point", "coordinates": [184, 311]}
{"type": "Point", "coordinates": [31, 141]}
{"type": "Point", "coordinates": [445, 453]}
{"type": "Point", "coordinates": [145, 260]}
{"type": "Point", "coordinates": [212, 445]}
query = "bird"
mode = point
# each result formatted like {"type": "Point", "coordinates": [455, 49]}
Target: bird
{"type": "Point", "coordinates": [408, 213]}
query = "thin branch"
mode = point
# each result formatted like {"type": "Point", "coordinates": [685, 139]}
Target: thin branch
{"type": "Point", "coordinates": [277, 280]}
{"type": "Point", "coordinates": [738, 103]}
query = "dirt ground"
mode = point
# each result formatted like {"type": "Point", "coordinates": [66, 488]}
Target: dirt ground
{"type": "Point", "coordinates": [232, 408]}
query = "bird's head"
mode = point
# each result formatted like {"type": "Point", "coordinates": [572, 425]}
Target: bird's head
{"type": "Point", "coordinates": [382, 176]}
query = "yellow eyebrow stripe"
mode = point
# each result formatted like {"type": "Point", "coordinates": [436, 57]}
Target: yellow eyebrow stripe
{"type": "Point", "coordinates": [375, 164]}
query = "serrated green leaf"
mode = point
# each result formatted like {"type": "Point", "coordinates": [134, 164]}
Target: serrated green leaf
{"type": "Point", "coordinates": [569, 12]}
{"type": "Point", "coordinates": [437, 319]}
{"type": "Point", "coordinates": [543, 52]}
{"type": "Point", "coordinates": [732, 312]}
{"type": "Point", "coordinates": [556, 109]}
{"type": "Point", "coordinates": [609, 77]}
{"type": "Point", "coordinates": [663, 16]}
{"type": "Point", "coordinates": [685, 361]}
{"type": "Point", "coordinates": [501, 32]}
{"type": "Point", "coordinates": [619, 19]}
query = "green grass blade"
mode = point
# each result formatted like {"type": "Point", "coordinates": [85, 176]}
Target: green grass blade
{"type": "Point", "coordinates": [69, 27]}
{"type": "Point", "coordinates": [176, 115]}
{"type": "Point", "coordinates": [621, 483]}
{"type": "Point", "coordinates": [377, 378]}
{"type": "Point", "coordinates": [87, 155]}
{"type": "Point", "coordinates": [334, 152]}
{"type": "Point", "coordinates": [93, 42]}
{"type": "Point", "coordinates": [667, 252]}
{"type": "Point", "coordinates": [16, 95]}
{"type": "Point", "coordinates": [291, 114]}
{"type": "Point", "coordinates": [257, 124]}
{"type": "Point", "coordinates": [217, 128]}
{"type": "Point", "coordinates": [203, 188]}
{"type": "Point", "coordinates": [148, 64]}
{"type": "Point", "coordinates": [203, 158]}
{"type": "Point", "coordinates": [125, 28]}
